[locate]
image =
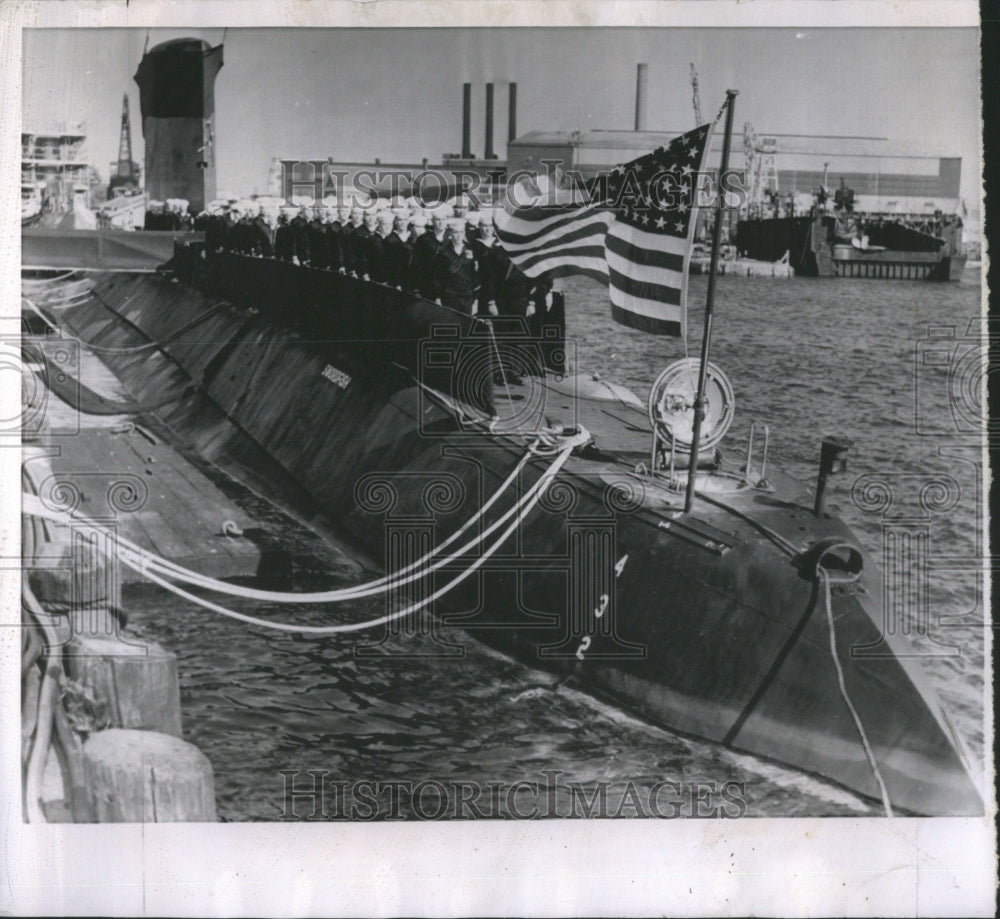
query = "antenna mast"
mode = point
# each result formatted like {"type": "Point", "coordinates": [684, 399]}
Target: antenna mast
{"type": "Point", "coordinates": [694, 97]}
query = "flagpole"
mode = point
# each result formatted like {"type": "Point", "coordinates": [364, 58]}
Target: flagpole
{"type": "Point", "coordinates": [699, 402]}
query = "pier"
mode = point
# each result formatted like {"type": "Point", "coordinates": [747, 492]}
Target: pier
{"type": "Point", "coordinates": [101, 705]}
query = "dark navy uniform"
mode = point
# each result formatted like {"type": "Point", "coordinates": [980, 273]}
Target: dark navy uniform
{"type": "Point", "coordinates": [214, 231]}
{"type": "Point", "coordinates": [399, 259]}
{"type": "Point", "coordinates": [284, 246]}
{"type": "Point", "coordinates": [316, 232]}
{"type": "Point", "coordinates": [334, 245]}
{"type": "Point", "coordinates": [455, 278]}
{"type": "Point", "coordinates": [359, 249]}
{"type": "Point", "coordinates": [425, 249]}
{"type": "Point", "coordinates": [260, 238]}
{"type": "Point", "coordinates": [300, 238]}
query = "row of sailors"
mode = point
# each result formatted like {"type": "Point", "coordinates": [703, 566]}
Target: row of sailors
{"type": "Point", "coordinates": [455, 261]}
{"type": "Point", "coordinates": [172, 214]}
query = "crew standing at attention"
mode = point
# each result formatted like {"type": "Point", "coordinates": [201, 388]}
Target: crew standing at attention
{"type": "Point", "coordinates": [361, 242]}
{"type": "Point", "coordinates": [379, 260]}
{"type": "Point", "coordinates": [426, 247]}
{"type": "Point", "coordinates": [335, 238]}
{"type": "Point", "coordinates": [398, 250]}
{"type": "Point", "coordinates": [300, 236]}
{"type": "Point", "coordinates": [453, 272]}
{"type": "Point", "coordinates": [284, 245]}
{"type": "Point", "coordinates": [317, 237]}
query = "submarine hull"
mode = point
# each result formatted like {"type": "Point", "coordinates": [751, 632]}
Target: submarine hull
{"type": "Point", "coordinates": [714, 623]}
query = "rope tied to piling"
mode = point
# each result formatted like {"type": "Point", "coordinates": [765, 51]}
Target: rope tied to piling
{"type": "Point", "coordinates": [163, 573]}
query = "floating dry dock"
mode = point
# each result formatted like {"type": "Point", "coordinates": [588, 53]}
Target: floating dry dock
{"type": "Point", "coordinates": [892, 251]}
{"type": "Point", "coordinates": [755, 620]}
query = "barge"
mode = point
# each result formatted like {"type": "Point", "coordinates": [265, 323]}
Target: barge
{"type": "Point", "coordinates": [860, 246]}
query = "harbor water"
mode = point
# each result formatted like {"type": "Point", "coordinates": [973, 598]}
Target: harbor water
{"type": "Point", "coordinates": [808, 358]}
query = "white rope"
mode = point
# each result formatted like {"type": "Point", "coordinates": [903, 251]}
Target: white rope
{"type": "Point", "coordinates": [535, 493]}
{"type": "Point", "coordinates": [46, 282]}
{"type": "Point", "coordinates": [146, 562]}
{"type": "Point", "coordinates": [847, 699]}
{"type": "Point", "coordinates": [496, 351]}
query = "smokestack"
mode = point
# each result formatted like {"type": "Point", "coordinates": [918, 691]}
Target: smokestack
{"type": "Point", "coordinates": [512, 113]}
{"type": "Point", "coordinates": [640, 97]}
{"type": "Point", "coordinates": [466, 121]}
{"type": "Point", "coordinates": [489, 154]}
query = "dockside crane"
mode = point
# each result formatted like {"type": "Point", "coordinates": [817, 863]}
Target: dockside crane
{"type": "Point", "coordinates": [125, 180]}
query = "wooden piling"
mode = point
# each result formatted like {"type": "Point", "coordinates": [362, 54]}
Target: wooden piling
{"type": "Point", "coordinates": [135, 683]}
{"type": "Point", "coordinates": [147, 777]}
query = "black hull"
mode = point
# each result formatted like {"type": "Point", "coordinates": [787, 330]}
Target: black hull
{"type": "Point", "coordinates": [713, 623]}
{"type": "Point", "coordinates": [815, 250]}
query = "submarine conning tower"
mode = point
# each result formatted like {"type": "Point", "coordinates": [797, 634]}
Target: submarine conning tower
{"type": "Point", "coordinates": [177, 100]}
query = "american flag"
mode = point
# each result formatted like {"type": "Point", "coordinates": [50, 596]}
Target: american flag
{"type": "Point", "coordinates": [634, 234]}
{"type": "Point", "coordinates": [557, 238]}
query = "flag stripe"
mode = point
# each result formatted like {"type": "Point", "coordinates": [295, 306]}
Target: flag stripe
{"type": "Point", "coordinates": [596, 267]}
{"type": "Point", "coordinates": [595, 250]}
{"type": "Point", "coordinates": [636, 289]}
{"type": "Point", "coordinates": [652, 324]}
{"type": "Point", "coordinates": [659, 258]}
{"type": "Point", "coordinates": [597, 272]}
{"type": "Point", "coordinates": [641, 273]}
{"type": "Point", "coordinates": [514, 233]}
{"type": "Point", "coordinates": [550, 215]}
{"type": "Point", "coordinates": [588, 231]}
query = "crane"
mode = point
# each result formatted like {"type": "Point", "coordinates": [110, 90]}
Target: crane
{"type": "Point", "coordinates": [126, 177]}
{"type": "Point", "coordinates": [695, 100]}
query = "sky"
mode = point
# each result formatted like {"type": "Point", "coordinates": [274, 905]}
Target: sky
{"type": "Point", "coordinates": [357, 94]}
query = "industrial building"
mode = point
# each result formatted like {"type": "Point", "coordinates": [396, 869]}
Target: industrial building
{"type": "Point", "coordinates": [52, 165]}
{"type": "Point", "coordinates": [884, 180]}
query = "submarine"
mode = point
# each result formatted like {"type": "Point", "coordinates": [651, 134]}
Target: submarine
{"type": "Point", "coordinates": [752, 618]}
{"type": "Point", "coordinates": [554, 515]}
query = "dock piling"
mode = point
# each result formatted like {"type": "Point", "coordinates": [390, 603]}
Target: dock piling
{"type": "Point", "coordinates": [147, 777]}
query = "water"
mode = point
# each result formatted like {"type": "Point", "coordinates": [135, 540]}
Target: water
{"type": "Point", "coordinates": [809, 358]}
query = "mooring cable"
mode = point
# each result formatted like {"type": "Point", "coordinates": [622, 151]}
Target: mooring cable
{"type": "Point", "coordinates": [536, 492]}
{"type": "Point", "coordinates": [146, 562]}
{"type": "Point", "coordinates": [869, 753]}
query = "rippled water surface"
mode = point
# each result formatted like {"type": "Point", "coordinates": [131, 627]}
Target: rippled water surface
{"type": "Point", "coordinates": [809, 358]}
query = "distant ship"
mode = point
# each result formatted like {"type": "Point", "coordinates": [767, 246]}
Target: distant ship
{"type": "Point", "coordinates": [848, 244]}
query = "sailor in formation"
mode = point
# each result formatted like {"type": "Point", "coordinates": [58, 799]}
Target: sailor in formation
{"type": "Point", "coordinates": [398, 250]}
{"type": "Point", "coordinates": [454, 260]}
{"type": "Point", "coordinates": [426, 247]}
{"type": "Point", "coordinates": [454, 273]}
